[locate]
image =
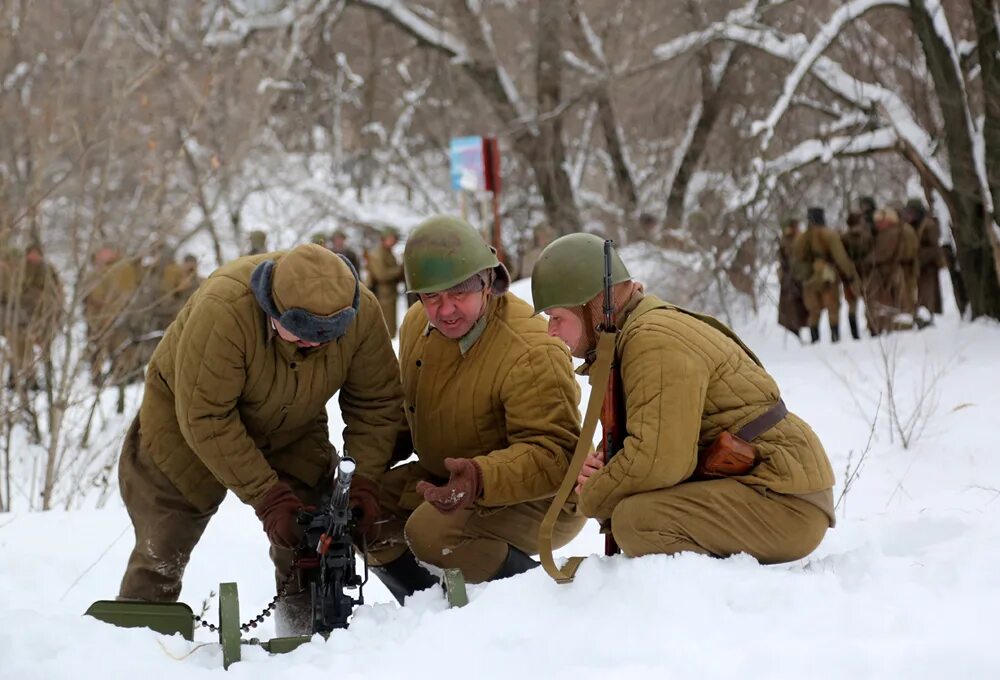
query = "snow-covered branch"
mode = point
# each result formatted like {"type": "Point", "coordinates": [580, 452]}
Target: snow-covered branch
{"type": "Point", "coordinates": [862, 94]}
{"type": "Point", "coordinates": [819, 44]}
{"type": "Point", "coordinates": [410, 21]}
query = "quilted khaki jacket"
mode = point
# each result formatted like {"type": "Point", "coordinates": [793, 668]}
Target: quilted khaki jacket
{"type": "Point", "coordinates": [685, 382]}
{"type": "Point", "coordinates": [227, 402]}
{"type": "Point", "coordinates": [818, 250]}
{"type": "Point", "coordinates": [510, 402]}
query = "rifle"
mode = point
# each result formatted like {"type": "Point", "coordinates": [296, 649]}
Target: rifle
{"type": "Point", "coordinates": [613, 409]}
{"type": "Point", "coordinates": [325, 557]}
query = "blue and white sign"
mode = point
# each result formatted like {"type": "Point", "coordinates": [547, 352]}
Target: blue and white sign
{"type": "Point", "coordinates": [468, 169]}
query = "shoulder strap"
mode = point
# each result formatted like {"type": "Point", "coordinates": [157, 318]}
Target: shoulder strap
{"type": "Point", "coordinates": [599, 373]}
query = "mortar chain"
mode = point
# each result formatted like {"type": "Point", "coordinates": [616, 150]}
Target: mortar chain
{"type": "Point", "coordinates": [252, 623]}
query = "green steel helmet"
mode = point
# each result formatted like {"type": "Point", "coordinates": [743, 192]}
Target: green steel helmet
{"type": "Point", "coordinates": [442, 252]}
{"type": "Point", "coordinates": [319, 238]}
{"type": "Point", "coordinates": [570, 272]}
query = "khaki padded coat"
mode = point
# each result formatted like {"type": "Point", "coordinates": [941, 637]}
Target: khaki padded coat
{"type": "Point", "coordinates": [684, 382]}
{"type": "Point", "coordinates": [818, 249]}
{"type": "Point", "coordinates": [510, 402]}
{"type": "Point", "coordinates": [227, 402]}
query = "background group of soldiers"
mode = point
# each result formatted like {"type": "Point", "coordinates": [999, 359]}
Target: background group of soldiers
{"type": "Point", "coordinates": [127, 304]}
{"type": "Point", "coordinates": [888, 257]}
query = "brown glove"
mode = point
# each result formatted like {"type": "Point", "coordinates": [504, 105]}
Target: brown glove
{"type": "Point", "coordinates": [277, 510]}
{"type": "Point", "coordinates": [364, 499]}
{"type": "Point", "coordinates": [462, 489]}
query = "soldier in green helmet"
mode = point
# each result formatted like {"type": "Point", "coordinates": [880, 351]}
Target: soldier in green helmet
{"type": "Point", "coordinates": [491, 404]}
{"type": "Point", "coordinates": [692, 392]}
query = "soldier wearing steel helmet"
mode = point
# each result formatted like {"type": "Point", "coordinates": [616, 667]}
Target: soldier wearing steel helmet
{"type": "Point", "coordinates": [491, 404]}
{"type": "Point", "coordinates": [686, 380]}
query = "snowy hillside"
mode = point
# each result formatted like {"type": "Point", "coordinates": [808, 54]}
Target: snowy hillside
{"type": "Point", "coordinates": [906, 586]}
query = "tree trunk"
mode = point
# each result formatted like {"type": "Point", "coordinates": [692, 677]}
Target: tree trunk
{"type": "Point", "coordinates": [548, 153]}
{"type": "Point", "coordinates": [984, 14]}
{"type": "Point", "coordinates": [712, 99]}
{"type": "Point", "coordinates": [969, 221]}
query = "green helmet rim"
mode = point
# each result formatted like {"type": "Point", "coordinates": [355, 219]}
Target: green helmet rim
{"type": "Point", "coordinates": [570, 254]}
{"type": "Point", "coordinates": [448, 240]}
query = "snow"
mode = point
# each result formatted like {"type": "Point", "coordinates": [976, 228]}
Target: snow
{"type": "Point", "coordinates": [905, 586]}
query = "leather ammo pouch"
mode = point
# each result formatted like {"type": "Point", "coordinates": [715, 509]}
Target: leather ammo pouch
{"type": "Point", "coordinates": [730, 454]}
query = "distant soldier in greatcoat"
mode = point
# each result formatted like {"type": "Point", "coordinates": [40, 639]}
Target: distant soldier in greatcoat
{"type": "Point", "coordinates": [866, 208]}
{"type": "Point", "coordinates": [385, 274]}
{"type": "Point", "coordinates": [792, 312]}
{"type": "Point", "coordinates": [821, 264]}
{"type": "Point", "coordinates": [32, 310]}
{"type": "Point", "coordinates": [338, 244]}
{"type": "Point", "coordinates": [108, 301]}
{"type": "Point", "coordinates": [258, 242]}
{"type": "Point", "coordinates": [858, 241]}
{"type": "Point", "coordinates": [930, 257]}
{"type": "Point", "coordinates": [889, 295]}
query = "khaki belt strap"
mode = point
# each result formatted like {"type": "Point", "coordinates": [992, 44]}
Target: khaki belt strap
{"type": "Point", "coordinates": [600, 371]}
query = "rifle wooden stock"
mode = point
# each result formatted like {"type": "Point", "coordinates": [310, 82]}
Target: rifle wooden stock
{"type": "Point", "coordinates": [612, 413]}
{"type": "Point", "coordinates": [613, 438]}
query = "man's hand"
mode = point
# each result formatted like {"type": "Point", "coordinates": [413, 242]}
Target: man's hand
{"type": "Point", "coordinates": [591, 464]}
{"type": "Point", "coordinates": [277, 511]}
{"type": "Point", "coordinates": [462, 489]}
{"type": "Point", "coordinates": [363, 500]}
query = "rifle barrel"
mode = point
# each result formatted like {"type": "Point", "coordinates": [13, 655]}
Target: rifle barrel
{"type": "Point", "coordinates": [609, 303]}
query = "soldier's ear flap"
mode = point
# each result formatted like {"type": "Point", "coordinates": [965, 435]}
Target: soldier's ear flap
{"type": "Point", "coordinates": [501, 278]}
{"type": "Point", "coordinates": [260, 284]}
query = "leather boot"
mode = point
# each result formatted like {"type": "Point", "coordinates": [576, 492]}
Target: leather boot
{"type": "Point", "coordinates": [853, 320]}
{"type": "Point", "coordinates": [814, 334]}
{"type": "Point", "coordinates": [834, 332]}
{"type": "Point", "coordinates": [515, 563]}
{"type": "Point", "coordinates": [404, 576]}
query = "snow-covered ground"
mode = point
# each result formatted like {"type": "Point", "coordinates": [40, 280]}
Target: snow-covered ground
{"type": "Point", "coordinates": [906, 585]}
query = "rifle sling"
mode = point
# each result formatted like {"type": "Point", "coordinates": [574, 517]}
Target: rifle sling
{"type": "Point", "coordinates": [600, 371]}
